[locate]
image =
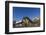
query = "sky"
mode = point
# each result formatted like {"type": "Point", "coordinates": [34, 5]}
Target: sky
{"type": "Point", "coordinates": [20, 12]}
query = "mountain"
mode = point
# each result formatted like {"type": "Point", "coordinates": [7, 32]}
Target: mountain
{"type": "Point", "coordinates": [35, 19]}
{"type": "Point", "coordinates": [27, 22]}
{"type": "Point", "coordinates": [36, 22]}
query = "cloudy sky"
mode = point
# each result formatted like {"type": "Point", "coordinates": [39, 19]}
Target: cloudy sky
{"type": "Point", "coordinates": [20, 12]}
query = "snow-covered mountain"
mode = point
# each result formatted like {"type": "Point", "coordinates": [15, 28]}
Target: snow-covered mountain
{"type": "Point", "coordinates": [35, 18]}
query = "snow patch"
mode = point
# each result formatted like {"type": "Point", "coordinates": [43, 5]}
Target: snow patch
{"type": "Point", "coordinates": [19, 21]}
